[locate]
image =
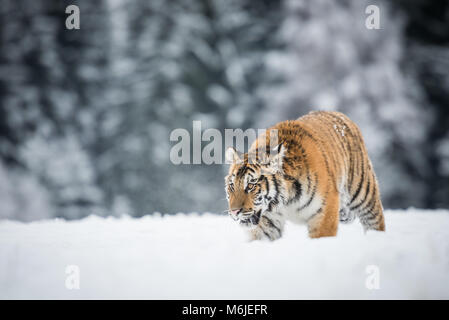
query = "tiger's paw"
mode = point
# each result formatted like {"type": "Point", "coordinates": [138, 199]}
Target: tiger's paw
{"type": "Point", "coordinates": [258, 233]}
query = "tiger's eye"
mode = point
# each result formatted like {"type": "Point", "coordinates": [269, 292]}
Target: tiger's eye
{"type": "Point", "coordinates": [250, 186]}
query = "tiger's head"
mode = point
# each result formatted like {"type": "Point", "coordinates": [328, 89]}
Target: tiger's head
{"type": "Point", "coordinates": [251, 184]}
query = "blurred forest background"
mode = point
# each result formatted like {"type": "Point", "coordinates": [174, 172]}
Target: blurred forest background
{"type": "Point", "coordinates": [86, 115]}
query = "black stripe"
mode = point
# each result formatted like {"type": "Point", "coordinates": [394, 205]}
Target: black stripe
{"type": "Point", "coordinates": [368, 192]}
{"type": "Point", "coordinates": [357, 154]}
{"type": "Point", "coordinates": [306, 164]}
{"type": "Point", "coordinates": [368, 215]}
{"type": "Point", "coordinates": [276, 188]}
{"type": "Point", "coordinates": [241, 171]}
{"type": "Point", "coordinates": [317, 212]}
{"type": "Point", "coordinates": [267, 186]}
{"type": "Point", "coordinates": [326, 162]}
{"type": "Point", "coordinates": [351, 168]}
{"type": "Point", "coordinates": [306, 133]}
{"type": "Point", "coordinates": [371, 225]}
{"type": "Point", "coordinates": [266, 234]}
{"type": "Point", "coordinates": [296, 186]}
{"type": "Point", "coordinates": [377, 218]}
{"type": "Point", "coordinates": [372, 203]}
{"type": "Point", "coordinates": [312, 196]}
{"type": "Point", "coordinates": [372, 218]}
{"type": "Point", "coordinates": [298, 190]}
{"type": "Point", "coordinates": [287, 161]}
{"type": "Point", "coordinates": [362, 179]}
{"type": "Point", "coordinates": [272, 225]}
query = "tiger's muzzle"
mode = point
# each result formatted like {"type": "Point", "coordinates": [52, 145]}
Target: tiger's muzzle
{"type": "Point", "coordinates": [247, 218]}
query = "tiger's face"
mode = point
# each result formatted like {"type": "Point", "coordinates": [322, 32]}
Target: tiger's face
{"type": "Point", "coordinates": [246, 193]}
{"type": "Point", "coordinates": [250, 188]}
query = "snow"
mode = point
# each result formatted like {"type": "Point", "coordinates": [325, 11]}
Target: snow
{"type": "Point", "coordinates": [207, 257]}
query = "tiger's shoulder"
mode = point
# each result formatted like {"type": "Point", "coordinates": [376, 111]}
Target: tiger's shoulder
{"type": "Point", "coordinates": [325, 128]}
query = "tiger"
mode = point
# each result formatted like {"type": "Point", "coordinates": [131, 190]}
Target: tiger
{"type": "Point", "coordinates": [318, 175]}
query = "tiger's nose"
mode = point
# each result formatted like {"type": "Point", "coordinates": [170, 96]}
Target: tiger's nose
{"type": "Point", "coordinates": [235, 212]}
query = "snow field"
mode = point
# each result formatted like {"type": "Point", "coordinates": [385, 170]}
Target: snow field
{"type": "Point", "coordinates": [207, 257]}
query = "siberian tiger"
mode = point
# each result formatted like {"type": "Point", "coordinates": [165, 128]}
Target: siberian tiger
{"type": "Point", "coordinates": [319, 174]}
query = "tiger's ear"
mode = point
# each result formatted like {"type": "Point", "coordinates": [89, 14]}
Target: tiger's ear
{"type": "Point", "coordinates": [232, 156]}
{"type": "Point", "coordinates": [275, 160]}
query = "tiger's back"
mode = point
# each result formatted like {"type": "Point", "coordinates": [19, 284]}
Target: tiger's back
{"type": "Point", "coordinates": [325, 177]}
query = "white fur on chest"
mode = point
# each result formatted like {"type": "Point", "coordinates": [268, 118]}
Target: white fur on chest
{"type": "Point", "coordinates": [301, 211]}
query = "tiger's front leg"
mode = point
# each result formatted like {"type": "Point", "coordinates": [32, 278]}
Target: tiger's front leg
{"type": "Point", "coordinates": [270, 226]}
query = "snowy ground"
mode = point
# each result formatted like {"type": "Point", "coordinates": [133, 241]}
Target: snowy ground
{"type": "Point", "coordinates": [207, 257]}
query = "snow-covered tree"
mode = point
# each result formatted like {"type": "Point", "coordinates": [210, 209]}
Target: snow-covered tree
{"type": "Point", "coordinates": [333, 62]}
